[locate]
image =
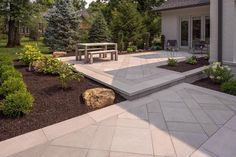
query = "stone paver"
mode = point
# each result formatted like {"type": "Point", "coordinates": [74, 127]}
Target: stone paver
{"type": "Point", "coordinates": [153, 126]}
{"type": "Point", "coordinates": [132, 140]}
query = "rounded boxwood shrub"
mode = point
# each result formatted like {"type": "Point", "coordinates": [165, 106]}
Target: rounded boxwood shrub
{"type": "Point", "coordinates": [229, 87]}
{"type": "Point", "coordinates": [4, 60]}
{"type": "Point", "coordinates": [10, 73]}
{"type": "Point", "coordinates": [17, 104]}
{"type": "Point", "coordinates": [12, 85]}
{"type": "Point", "coordinates": [4, 68]}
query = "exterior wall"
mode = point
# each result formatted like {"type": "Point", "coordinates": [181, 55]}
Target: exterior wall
{"type": "Point", "coordinates": [229, 34]}
{"type": "Point", "coordinates": [171, 20]}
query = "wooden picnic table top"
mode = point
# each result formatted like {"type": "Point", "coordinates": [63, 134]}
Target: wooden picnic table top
{"type": "Point", "coordinates": [96, 44]}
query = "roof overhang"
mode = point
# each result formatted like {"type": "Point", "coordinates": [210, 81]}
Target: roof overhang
{"type": "Point", "coordinates": [181, 7]}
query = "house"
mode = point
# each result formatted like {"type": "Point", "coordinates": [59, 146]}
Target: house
{"type": "Point", "coordinates": [213, 21]}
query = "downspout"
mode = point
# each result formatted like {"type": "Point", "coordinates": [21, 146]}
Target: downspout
{"type": "Point", "coordinates": [220, 30]}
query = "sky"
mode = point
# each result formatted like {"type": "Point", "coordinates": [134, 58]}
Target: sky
{"type": "Point", "coordinates": [88, 2]}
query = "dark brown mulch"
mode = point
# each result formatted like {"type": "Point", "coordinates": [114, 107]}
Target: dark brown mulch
{"type": "Point", "coordinates": [183, 66]}
{"type": "Point", "coordinates": [52, 104]}
{"type": "Point", "coordinates": [208, 83]}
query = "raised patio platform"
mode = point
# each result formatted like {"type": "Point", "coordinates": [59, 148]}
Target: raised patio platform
{"type": "Point", "coordinates": [136, 75]}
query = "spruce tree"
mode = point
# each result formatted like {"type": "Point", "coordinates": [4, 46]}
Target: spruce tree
{"type": "Point", "coordinates": [63, 25]}
{"type": "Point", "coordinates": [99, 31]}
{"type": "Point", "coordinates": [126, 18]}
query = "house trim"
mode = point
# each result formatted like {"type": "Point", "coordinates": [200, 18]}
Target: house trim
{"type": "Point", "coordinates": [182, 7]}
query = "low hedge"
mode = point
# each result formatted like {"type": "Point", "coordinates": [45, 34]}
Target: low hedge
{"type": "Point", "coordinates": [17, 100]}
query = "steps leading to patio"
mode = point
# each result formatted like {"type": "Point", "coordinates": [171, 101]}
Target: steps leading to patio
{"type": "Point", "coordinates": [131, 90]}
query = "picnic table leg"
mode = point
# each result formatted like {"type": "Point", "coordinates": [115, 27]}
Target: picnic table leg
{"type": "Point", "coordinates": [105, 54]}
{"type": "Point", "coordinates": [85, 54]}
{"type": "Point", "coordinates": [112, 57]}
{"type": "Point", "coordinates": [76, 53]}
{"type": "Point", "coordinates": [91, 58]}
{"type": "Point", "coordinates": [116, 53]}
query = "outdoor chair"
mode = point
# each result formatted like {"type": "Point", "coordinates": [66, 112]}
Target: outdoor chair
{"type": "Point", "coordinates": [172, 45]}
{"type": "Point", "coordinates": [200, 46]}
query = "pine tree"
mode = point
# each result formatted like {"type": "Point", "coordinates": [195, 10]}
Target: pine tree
{"type": "Point", "coordinates": [126, 18]}
{"type": "Point", "coordinates": [99, 31]}
{"type": "Point", "coordinates": [63, 25]}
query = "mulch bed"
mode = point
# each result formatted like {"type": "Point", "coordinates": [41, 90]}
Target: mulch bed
{"type": "Point", "coordinates": [207, 83]}
{"type": "Point", "coordinates": [183, 66]}
{"type": "Point", "coordinates": [52, 104]}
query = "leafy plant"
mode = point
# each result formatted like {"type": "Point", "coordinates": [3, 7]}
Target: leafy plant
{"type": "Point", "coordinates": [229, 87]}
{"type": "Point", "coordinates": [218, 73]}
{"type": "Point", "coordinates": [16, 104]}
{"type": "Point", "coordinates": [192, 60]}
{"type": "Point", "coordinates": [29, 54]}
{"type": "Point", "coordinates": [48, 65]}
{"type": "Point", "coordinates": [67, 73]}
{"type": "Point", "coordinates": [172, 62]}
{"type": "Point", "coordinates": [132, 49]}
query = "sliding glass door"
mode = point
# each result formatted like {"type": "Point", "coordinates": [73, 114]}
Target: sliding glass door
{"type": "Point", "coordinates": [196, 29]}
{"type": "Point", "coordinates": [184, 29]}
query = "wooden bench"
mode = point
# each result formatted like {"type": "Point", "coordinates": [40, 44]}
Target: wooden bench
{"type": "Point", "coordinates": [112, 52]}
{"type": "Point", "coordinates": [82, 50]}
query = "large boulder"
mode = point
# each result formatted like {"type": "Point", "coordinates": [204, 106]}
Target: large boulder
{"type": "Point", "coordinates": [98, 97]}
{"type": "Point", "coordinates": [58, 54]}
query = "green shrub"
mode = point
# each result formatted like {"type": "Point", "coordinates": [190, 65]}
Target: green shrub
{"type": "Point", "coordinates": [29, 54]}
{"type": "Point", "coordinates": [4, 68]}
{"type": "Point", "coordinates": [218, 73]}
{"type": "Point", "coordinates": [12, 85]}
{"type": "Point", "coordinates": [132, 49]}
{"type": "Point", "coordinates": [18, 103]}
{"type": "Point", "coordinates": [67, 73]}
{"type": "Point", "coordinates": [4, 60]}
{"type": "Point", "coordinates": [192, 60]}
{"type": "Point", "coordinates": [11, 72]}
{"type": "Point", "coordinates": [229, 87]}
{"type": "Point", "coordinates": [172, 62]}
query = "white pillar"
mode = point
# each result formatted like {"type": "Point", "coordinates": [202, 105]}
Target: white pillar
{"type": "Point", "coordinates": [214, 30]}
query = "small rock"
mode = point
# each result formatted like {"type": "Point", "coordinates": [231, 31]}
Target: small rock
{"type": "Point", "coordinates": [58, 54]}
{"type": "Point", "coordinates": [38, 65]}
{"type": "Point", "coordinates": [98, 97]}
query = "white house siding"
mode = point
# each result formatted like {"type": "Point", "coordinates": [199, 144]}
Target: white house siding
{"type": "Point", "coordinates": [171, 19]}
{"type": "Point", "coordinates": [229, 34]}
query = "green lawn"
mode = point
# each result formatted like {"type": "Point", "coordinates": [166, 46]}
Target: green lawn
{"type": "Point", "coordinates": [24, 41]}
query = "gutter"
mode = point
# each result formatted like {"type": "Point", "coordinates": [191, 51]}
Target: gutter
{"type": "Point", "coordinates": [220, 30]}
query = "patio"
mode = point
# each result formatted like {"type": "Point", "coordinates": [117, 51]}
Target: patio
{"type": "Point", "coordinates": [133, 75]}
{"type": "Point", "coordinates": [181, 121]}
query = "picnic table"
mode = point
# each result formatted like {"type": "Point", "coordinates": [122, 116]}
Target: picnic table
{"type": "Point", "coordinates": [91, 49]}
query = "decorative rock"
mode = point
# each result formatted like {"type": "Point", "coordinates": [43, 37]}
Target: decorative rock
{"type": "Point", "coordinates": [58, 54]}
{"type": "Point", "coordinates": [98, 97]}
{"type": "Point", "coordinates": [37, 65]}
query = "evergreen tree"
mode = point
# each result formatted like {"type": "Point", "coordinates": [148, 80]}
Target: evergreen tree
{"type": "Point", "coordinates": [63, 25]}
{"type": "Point", "coordinates": [99, 31]}
{"type": "Point", "coordinates": [126, 18]}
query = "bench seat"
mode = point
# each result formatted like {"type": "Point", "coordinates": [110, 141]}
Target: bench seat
{"type": "Point", "coordinates": [104, 52]}
{"type": "Point", "coordinates": [101, 52]}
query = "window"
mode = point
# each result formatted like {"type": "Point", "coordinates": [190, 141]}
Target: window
{"type": "Point", "coordinates": [184, 31]}
{"type": "Point", "coordinates": [207, 29]}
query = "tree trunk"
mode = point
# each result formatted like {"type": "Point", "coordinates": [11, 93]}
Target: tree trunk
{"type": "Point", "coordinates": [13, 34]}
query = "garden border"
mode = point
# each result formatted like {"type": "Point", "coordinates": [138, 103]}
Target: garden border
{"type": "Point", "coordinates": [44, 135]}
